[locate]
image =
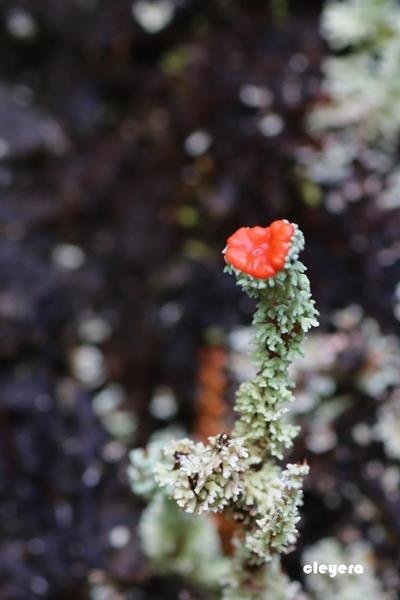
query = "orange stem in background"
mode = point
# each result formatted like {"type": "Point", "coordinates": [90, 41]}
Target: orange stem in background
{"type": "Point", "coordinates": [211, 416]}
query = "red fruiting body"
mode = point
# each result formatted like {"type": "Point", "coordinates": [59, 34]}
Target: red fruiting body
{"type": "Point", "coordinates": [260, 251]}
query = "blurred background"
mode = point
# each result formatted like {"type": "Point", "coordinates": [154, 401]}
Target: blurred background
{"type": "Point", "coordinates": [135, 137]}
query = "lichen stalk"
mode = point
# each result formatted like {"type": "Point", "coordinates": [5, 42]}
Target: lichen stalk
{"type": "Point", "coordinates": [285, 312]}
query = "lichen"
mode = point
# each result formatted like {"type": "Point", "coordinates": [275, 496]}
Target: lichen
{"type": "Point", "coordinates": [238, 473]}
{"type": "Point", "coordinates": [174, 541]}
{"type": "Point", "coordinates": [358, 121]}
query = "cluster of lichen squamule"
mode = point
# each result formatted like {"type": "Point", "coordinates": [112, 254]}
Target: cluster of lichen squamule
{"type": "Point", "coordinates": [238, 472]}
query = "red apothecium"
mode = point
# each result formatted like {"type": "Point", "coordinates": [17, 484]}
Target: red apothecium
{"type": "Point", "coordinates": [260, 251]}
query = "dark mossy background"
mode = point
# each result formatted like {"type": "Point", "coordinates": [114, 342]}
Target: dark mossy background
{"type": "Point", "coordinates": [94, 114]}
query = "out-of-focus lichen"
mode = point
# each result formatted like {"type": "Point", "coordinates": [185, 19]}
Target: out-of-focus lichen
{"type": "Point", "coordinates": [357, 359]}
{"type": "Point", "coordinates": [358, 123]}
{"type": "Point", "coordinates": [179, 543]}
{"type": "Point", "coordinates": [119, 422]}
{"type": "Point", "coordinates": [263, 583]}
{"type": "Point", "coordinates": [100, 588]}
{"type": "Point", "coordinates": [349, 586]}
{"type": "Point", "coordinates": [388, 425]}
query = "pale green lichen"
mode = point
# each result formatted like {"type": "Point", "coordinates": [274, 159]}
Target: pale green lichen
{"type": "Point", "coordinates": [284, 314]}
{"type": "Point", "coordinates": [143, 461]}
{"type": "Point", "coordinates": [174, 541]}
{"type": "Point", "coordinates": [201, 477]}
{"type": "Point", "coordinates": [261, 582]}
{"type": "Point", "coordinates": [361, 121]}
{"type": "Point", "coordinates": [180, 544]}
{"type": "Point", "coordinates": [238, 473]}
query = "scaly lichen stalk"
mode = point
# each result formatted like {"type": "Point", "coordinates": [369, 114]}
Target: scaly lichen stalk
{"type": "Point", "coordinates": [238, 473]}
{"type": "Point", "coordinates": [285, 312]}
